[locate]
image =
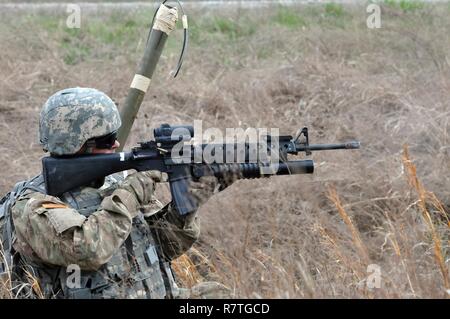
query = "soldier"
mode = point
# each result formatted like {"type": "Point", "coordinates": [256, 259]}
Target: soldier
{"type": "Point", "coordinates": [114, 231]}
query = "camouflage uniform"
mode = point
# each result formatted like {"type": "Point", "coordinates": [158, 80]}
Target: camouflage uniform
{"type": "Point", "coordinates": [107, 232]}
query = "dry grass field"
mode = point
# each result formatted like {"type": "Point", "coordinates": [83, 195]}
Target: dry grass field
{"type": "Point", "coordinates": [318, 66]}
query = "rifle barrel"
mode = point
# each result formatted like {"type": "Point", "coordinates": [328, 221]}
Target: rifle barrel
{"type": "Point", "coordinates": [323, 147]}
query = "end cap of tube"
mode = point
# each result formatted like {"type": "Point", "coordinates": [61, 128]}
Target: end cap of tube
{"type": "Point", "coordinates": [353, 145]}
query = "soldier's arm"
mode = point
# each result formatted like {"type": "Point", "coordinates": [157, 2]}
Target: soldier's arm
{"type": "Point", "coordinates": [176, 234]}
{"type": "Point", "coordinates": [60, 235]}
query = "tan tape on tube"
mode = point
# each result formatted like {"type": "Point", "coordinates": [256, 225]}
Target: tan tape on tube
{"type": "Point", "coordinates": [140, 82]}
{"type": "Point", "coordinates": [166, 19]}
{"type": "Point", "coordinates": [185, 21]}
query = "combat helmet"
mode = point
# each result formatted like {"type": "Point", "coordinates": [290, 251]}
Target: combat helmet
{"type": "Point", "coordinates": [73, 116]}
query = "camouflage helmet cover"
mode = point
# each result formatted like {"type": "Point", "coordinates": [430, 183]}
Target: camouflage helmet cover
{"type": "Point", "coordinates": [72, 116]}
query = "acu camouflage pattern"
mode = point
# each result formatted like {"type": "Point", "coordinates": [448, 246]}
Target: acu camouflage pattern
{"type": "Point", "coordinates": [104, 232]}
{"type": "Point", "coordinates": [72, 116]}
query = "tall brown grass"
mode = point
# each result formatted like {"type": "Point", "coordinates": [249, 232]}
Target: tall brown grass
{"type": "Point", "coordinates": [424, 197]}
{"type": "Point", "coordinates": [188, 274]}
{"type": "Point", "coordinates": [5, 278]}
{"type": "Point", "coordinates": [294, 236]}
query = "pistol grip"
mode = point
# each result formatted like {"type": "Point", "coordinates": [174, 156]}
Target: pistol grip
{"type": "Point", "coordinates": [182, 199]}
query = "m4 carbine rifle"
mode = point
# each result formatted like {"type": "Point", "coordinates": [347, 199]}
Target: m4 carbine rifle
{"type": "Point", "coordinates": [62, 174]}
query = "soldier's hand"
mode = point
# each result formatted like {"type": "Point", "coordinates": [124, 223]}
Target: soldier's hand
{"type": "Point", "coordinates": [203, 189]}
{"type": "Point", "coordinates": [142, 184]}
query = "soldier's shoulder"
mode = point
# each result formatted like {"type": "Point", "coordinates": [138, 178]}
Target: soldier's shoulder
{"type": "Point", "coordinates": [30, 195]}
{"type": "Point", "coordinates": [22, 205]}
